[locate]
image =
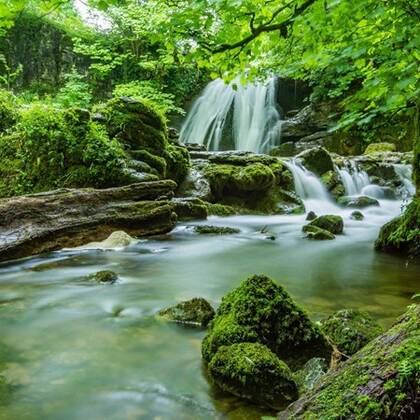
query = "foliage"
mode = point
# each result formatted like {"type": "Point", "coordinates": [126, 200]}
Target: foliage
{"type": "Point", "coordinates": [75, 93]}
{"type": "Point", "coordinates": [8, 110]}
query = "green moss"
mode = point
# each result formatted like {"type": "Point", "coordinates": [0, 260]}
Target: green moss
{"type": "Point", "coordinates": [333, 183]}
{"type": "Point", "coordinates": [8, 110]}
{"type": "Point", "coordinates": [220, 210]}
{"type": "Point", "coordinates": [350, 330]}
{"type": "Point", "coordinates": [260, 310]}
{"type": "Point", "coordinates": [178, 162]}
{"type": "Point", "coordinates": [156, 162]}
{"type": "Point", "coordinates": [317, 160]}
{"type": "Point", "coordinates": [196, 312]}
{"type": "Point", "coordinates": [329, 222]}
{"type": "Point", "coordinates": [215, 230]}
{"type": "Point", "coordinates": [402, 234]}
{"type": "Point", "coordinates": [380, 147]}
{"type": "Point", "coordinates": [252, 371]}
{"type": "Point", "coordinates": [314, 232]}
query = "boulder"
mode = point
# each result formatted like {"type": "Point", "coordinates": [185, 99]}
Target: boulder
{"type": "Point", "coordinates": [333, 183]}
{"type": "Point", "coordinates": [380, 148]}
{"type": "Point", "coordinates": [103, 277]}
{"type": "Point", "coordinates": [259, 310]}
{"type": "Point", "coordinates": [358, 202]}
{"type": "Point", "coordinates": [190, 208]}
{"type": "Point", "coordinates": [350, 330]}
{"type": "Point", "coordinates": [253, 372]}
{"type": "Point", "coordinates": [357, 215]}
{"type": "Point", "coordinates": [317, 160]}
{"type": "Point", "coordinates": [215, 230]}
{"type": "Point", "coordinates": [329, 222]}
{"type": "Point", "coordinates": [66, 218]}
{"type": "Point", "coordinates": [196, 312]}
{"type": "Point", "coordinates": [316, 233]}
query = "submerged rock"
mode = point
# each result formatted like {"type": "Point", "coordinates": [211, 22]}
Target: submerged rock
{"type": "Point", "coordinates": [259, 310]}
{"type": "Point", "coordinates": [329, 222]}
{"type": "Point", "coordinates": [314, 232]}
{"type": "Point", "coordinates": [215, 230]}
{"type": "Point", "coordinates": [194, 312]}
{"type": "Point", "coordinates": [104, 277]}
{"type": "Point", "coordinates": [350, 330]}
{"type": "Point", "coordinates": [252, 371]}
{"type": "Point", "coordinates": [357, 215]}
{"type": "Point", "coordinates": [317, 160]}
{"type": "Point", "coordinates": [358, 202]}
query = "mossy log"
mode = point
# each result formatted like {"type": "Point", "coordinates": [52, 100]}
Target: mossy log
{"type": "Point", "coordinates": [381, 381]}
{"type": "Point", "coordinates": [49, 221]}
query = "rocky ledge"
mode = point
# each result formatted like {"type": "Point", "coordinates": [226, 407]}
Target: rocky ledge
{"type": "Point", "coordinates": [44, 222]}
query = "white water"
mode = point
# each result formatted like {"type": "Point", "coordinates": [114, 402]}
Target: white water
{"type": "Point", "coordinates": [405, 173]}
{"type": "Point", "coordinates": [254, 117]}
{"type": "Point", "coordinates": [353, 178]}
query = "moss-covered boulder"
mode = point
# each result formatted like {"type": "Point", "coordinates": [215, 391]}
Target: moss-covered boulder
{"type": "Point", "coordinates": [333, 183]}
{"type": "Point", "coordinates": [104, 277]}
{"type": "Point", "coordinates": [358, 202]}
{"type": "Point", "coordinates": [317, 160]}
{"type": "Point", "coordinates": [380, 381]}
{"type": "Point", "coordinates": [357, 215]}
{"type": "Point", "coordinates": [329, 222]}
{"type": "Point", "coordinates": [316, 233]}
{"type": "Point", "coordinates": [259, 310]}
{"type": "Point", "coordinates": [215, 230]}
{"type": "Point", "coordinates": [252, 371]}
{"type": "Point", "coordinates": [350, 330]}
{"type": "Point", "coordinates": [195, 312]}
{"type": "Point", "coordinates": [402, 234]}
{"type": "Point", "coordinates": [380, 148]}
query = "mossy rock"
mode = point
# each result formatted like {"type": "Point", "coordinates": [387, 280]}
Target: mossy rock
{"type": "Point", "coordinates": [311, 216]}
{"type": "Point", "coordinates": [156, 162]}
{"type": "Point", "coordinates": [357, 215]}
{"type": "Point", "coordinates": [316, 233]}
{"type": "Point", "coordinates": [358, 202]}
{"type": "Point", "coordinates": [215, 230]}
{"type": "Point", "coordinates": [259, 310]}
{"type": "Point", "coordinates": [253, 372]}
{"type": "Point", "coordinates": [178, 162]}
{"type": "Point", "coordinates": [329, 222]}
{"type": "Point", "coordinates": [190, 208]}
{"type": "Point", "coordinates": [215, 209]}
{"type": "Point", "coordinates": [350, 330]}
{"type": "Point", "coordinates": [333, 183]}
{"type": "Point", "coordinates": [317, 160]}
{"type": "Point", "coordinates": [402, 234]}
{"type": "Point", "coordinates": [103, 277]}
{"type": "Point", "coordinates": [380, 148]}
{"type": "Point", "coordinates": [195, 312]}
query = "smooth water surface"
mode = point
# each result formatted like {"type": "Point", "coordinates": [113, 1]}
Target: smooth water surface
{"type": "Point", "coordinates": [77, 350]}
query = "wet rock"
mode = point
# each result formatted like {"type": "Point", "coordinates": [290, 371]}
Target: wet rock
{"type": "Point", "coordinates": [195, 185]}
{"type": "Point", "coordinates": [286, 149]}
{"type": "Point", "coordinates": [190, 208]}
{"type": "Point", "coordinates": [358, 202]}
{"type": "Point", "coordinates": [357, 215]}
{"type": "Point", "coordinates": [195, 147]}
{"type": "Point", "coordinates": [215, 230]}
{"type": "Point", "coordinates": [67, 218]}
{"type": "Point", "coordinates": [380, 148]}
{"type": "Point", "coordinates": [195, 312]}
{"type": "Point", "coordinates": [333, 183]}
{"type": "Point", "coordinates": [103, 277]}
{"type": "Point", "coordinates": [329, 222]}
{"type": "Point", "coordinates": [259, 310]}
{"type": "Point", "coordinates": [317, 160]}
{"type": "Point", "coordinates": [316, 233]}
{"type": "Point", "coordinates": [350, 330]}
{"type": "Point", "coordinates": [311, 216]}
{"type": "Point", "coordinates": [253, 372]}
{"type": "Point", "coordinates": [310, 374]}
{"type": "Point", "coordinates": [117, 239]}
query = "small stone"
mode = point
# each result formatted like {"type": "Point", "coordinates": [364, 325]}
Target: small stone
{"type": "Point", "coordinates": [104, 277]}
{"type": "Point", "coordinates": [357, 215]}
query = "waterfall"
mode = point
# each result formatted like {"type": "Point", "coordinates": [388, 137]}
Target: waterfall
{"type": "Point", "coordinates": [405, 174]}
{"type": "Point", "coordinates": [354, 179]}
{"type": "Point", "coordinates": [247, 113]}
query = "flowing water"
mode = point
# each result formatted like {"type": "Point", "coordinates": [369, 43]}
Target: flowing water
{"type": "Point", "coordinates": [244, 116]}
{"type": "Point", "coordinates": [77, 350]}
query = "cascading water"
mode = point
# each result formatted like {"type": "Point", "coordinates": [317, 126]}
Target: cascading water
{"type": "Point", "coordinates": [405, 174]}
{"type": "Point", "coordinates": [353, 178]}
{"type": "Point", "coordinates": [248, 113]}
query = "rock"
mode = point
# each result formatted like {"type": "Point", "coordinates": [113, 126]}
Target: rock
{"type": "Point", "coordinates": [215, 209]}
{"type": "Point", "coordinates": [117, 239]}
{"type": "Point", "coordinates": [311, 216]}
{"type": "Point", "coordinates": [190, 208]}
{"type": "Point", "coordinates": [379, 147]}
{"type": "Point", "coordinates": [195, 147]}
{"type": "Point", "coordinates": [317, 160]}
{"type": "Point", "coordinates": [350, 330]}
{"type": "Point", "coordinates": [329, 222]}
{"type": "Point", "coordinates": [259, 310]}
{"type": "Point", "coordinates": [253, 372]}
{"type": "Point", "coordinates": [310, 374]}
{"type": "Point", "coordinates": [195, 185]}
{"type": "Point", "coordinates": [357, 215]}
{"type": "Point", "coordinates": [286, 149]}
{"type": "Point", "coordinates": [358, 202]}
{"type": "Point", "coordinates": [316, 233]}
{"type": "Point", "coordinates": [104, 277]}
{"type": "Point", "coordinates": [402, 234]}
{"type": "Point", "coordinates": [372, 383]}
{"type": "Point", "coordinates": [195, 312]}
{"type": "Point", "coordinates": [215, 230]}
{"type": "Point", "coordinates": [333, 183]}
{"type": "Point", "coordinates": [67, 218]}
